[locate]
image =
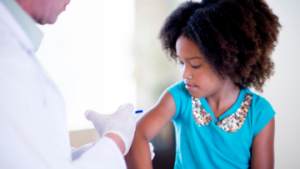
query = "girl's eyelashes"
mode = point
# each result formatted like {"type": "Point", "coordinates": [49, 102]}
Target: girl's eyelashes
{"type": "Point", "coordinates": [196, 67]}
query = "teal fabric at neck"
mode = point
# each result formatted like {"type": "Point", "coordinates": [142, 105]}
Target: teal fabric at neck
{"type": "Point", "coordinates": [209, 146]}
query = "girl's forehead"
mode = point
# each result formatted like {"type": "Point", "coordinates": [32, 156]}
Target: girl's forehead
{"type": "Point", "coordinates": [195, 58]}
{"type": "Point", "coordinates": [187, 49]}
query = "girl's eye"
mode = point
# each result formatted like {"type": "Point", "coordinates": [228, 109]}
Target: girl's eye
{"type": "Point", "coordinates": [181, 63]}
{"type": "Point", "coordinates": [196, 67]}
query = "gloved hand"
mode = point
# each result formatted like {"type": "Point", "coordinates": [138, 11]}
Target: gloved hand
{"type": "Point", "coordinates": [122, 122]}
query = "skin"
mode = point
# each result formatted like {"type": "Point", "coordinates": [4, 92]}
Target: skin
{"type": "Point", "coordinates": [47, 12]}
{"type": "Point", "coordinates": [117, 139]}
{"type": "Point", "coordinates": [44, 11]}
{"type": "Point", "coordinates": [201, 81]}
{"type": "Point", "coordinates": [262, 149]}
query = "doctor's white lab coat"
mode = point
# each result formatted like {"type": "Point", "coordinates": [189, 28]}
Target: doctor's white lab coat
{"type": "Point", "coordinates": [33, 127]}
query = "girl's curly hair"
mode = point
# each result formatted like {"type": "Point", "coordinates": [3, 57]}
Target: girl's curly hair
{"type": "Point", "coordinates": [235, 37]}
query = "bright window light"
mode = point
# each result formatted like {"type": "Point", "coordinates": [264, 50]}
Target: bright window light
{"type": "Point", "coordinates": [88, 55]}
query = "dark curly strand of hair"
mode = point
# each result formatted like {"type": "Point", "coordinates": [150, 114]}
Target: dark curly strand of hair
{"type": "Point", "coordinates": [235, 37]}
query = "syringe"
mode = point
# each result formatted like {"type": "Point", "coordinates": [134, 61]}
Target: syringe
{"type": "Point", "coordinates": [138, 111]}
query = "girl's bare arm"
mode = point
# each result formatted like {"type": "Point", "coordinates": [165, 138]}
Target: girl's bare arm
{"type": "Point", "coordinates": [263, 147]}
{"type": "Point", "coordinates": [147, 128]}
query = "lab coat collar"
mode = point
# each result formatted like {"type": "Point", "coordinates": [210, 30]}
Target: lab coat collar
{"type": "Point", "coordinates": [27, 24]}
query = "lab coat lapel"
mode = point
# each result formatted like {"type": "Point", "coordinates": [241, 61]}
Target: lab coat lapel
{"type": "Point", "coordinates": [6, 19]}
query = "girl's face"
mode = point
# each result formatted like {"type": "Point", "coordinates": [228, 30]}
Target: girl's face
{"type": "Point", "coordinates": [200, 80]}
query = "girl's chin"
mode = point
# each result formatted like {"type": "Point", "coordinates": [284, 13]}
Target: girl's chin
{"type": "Point", "coordinates": [196, 94]}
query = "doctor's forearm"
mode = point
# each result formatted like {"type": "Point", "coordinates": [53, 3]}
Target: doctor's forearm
{"type": "Point", "coordinates": [139, 155]}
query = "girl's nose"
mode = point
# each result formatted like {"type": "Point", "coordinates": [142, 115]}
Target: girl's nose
{"type": "Point", "coordinates": [186, 74]}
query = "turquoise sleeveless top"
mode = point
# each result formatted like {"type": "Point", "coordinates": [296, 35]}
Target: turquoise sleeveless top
{"type": "Point", "coordinates": [202, 141]}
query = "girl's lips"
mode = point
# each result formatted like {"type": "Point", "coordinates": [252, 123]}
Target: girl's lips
{"type": "Point", "coordinates": [189, 87]}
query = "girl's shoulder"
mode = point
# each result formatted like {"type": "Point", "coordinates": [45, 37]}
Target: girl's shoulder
{"type": "Point", "coordinates": [258, 102]}
{"type": "Point", "coordinates": [181, 96]}
{"type": "Point", "coordinates": [178, 89]}
{"type": "Point", "coordinates": [261, 111]}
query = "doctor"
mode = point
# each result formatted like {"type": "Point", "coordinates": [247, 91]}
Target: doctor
{"type": "Point", "coordinates": [33, 129]}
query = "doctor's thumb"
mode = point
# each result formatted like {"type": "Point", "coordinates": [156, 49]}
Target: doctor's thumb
{"type": "Point", "coordinates": [89, 115]}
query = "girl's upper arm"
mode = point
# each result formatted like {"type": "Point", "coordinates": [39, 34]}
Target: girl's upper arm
{"type": "Point", "coordinates": [262, 150]}
{"type": "Point", "coordinates": [152, 122]}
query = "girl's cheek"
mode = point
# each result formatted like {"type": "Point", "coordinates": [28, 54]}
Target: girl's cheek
{"type": "Point", "coordinates": [207, 80]}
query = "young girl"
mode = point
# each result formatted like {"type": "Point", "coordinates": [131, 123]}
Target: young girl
{"type": "Point", "coordinates": [224, 48]}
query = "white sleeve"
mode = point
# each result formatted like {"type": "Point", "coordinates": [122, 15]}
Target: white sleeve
{"type": "Point", "coordinates": [77, 152]}
{"type": "Point", "coordinates": [106, 151]}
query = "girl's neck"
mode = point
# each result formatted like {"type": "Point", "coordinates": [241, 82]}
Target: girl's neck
{"type": "Point", "coordinates": [224, 98]}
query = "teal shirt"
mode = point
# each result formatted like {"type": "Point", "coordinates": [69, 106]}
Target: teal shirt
{"type": "Point", "coordinates": [209, 146]}
{"type": "Point", "coordinates": [25, 21]}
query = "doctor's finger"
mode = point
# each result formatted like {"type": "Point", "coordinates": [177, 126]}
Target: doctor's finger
{"type": "Point", "coordinates": [90, 114]}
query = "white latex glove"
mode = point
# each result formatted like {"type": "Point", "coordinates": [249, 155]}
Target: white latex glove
{"type": "Point", "coordinates": [122, 122]}
{"type": "Point", "coordinates": [151, 150]}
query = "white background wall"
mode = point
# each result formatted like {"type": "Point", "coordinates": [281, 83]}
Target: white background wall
{"type": "Point", "coordinates": [282, 91]}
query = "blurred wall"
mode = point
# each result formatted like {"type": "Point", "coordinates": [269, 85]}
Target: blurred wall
{"type": "Point", "coordinates": [282, 89]}
{"type": "Point", "coordinates": [154, 72]}
{"type": "Point", "coordinates": [79, 138]}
